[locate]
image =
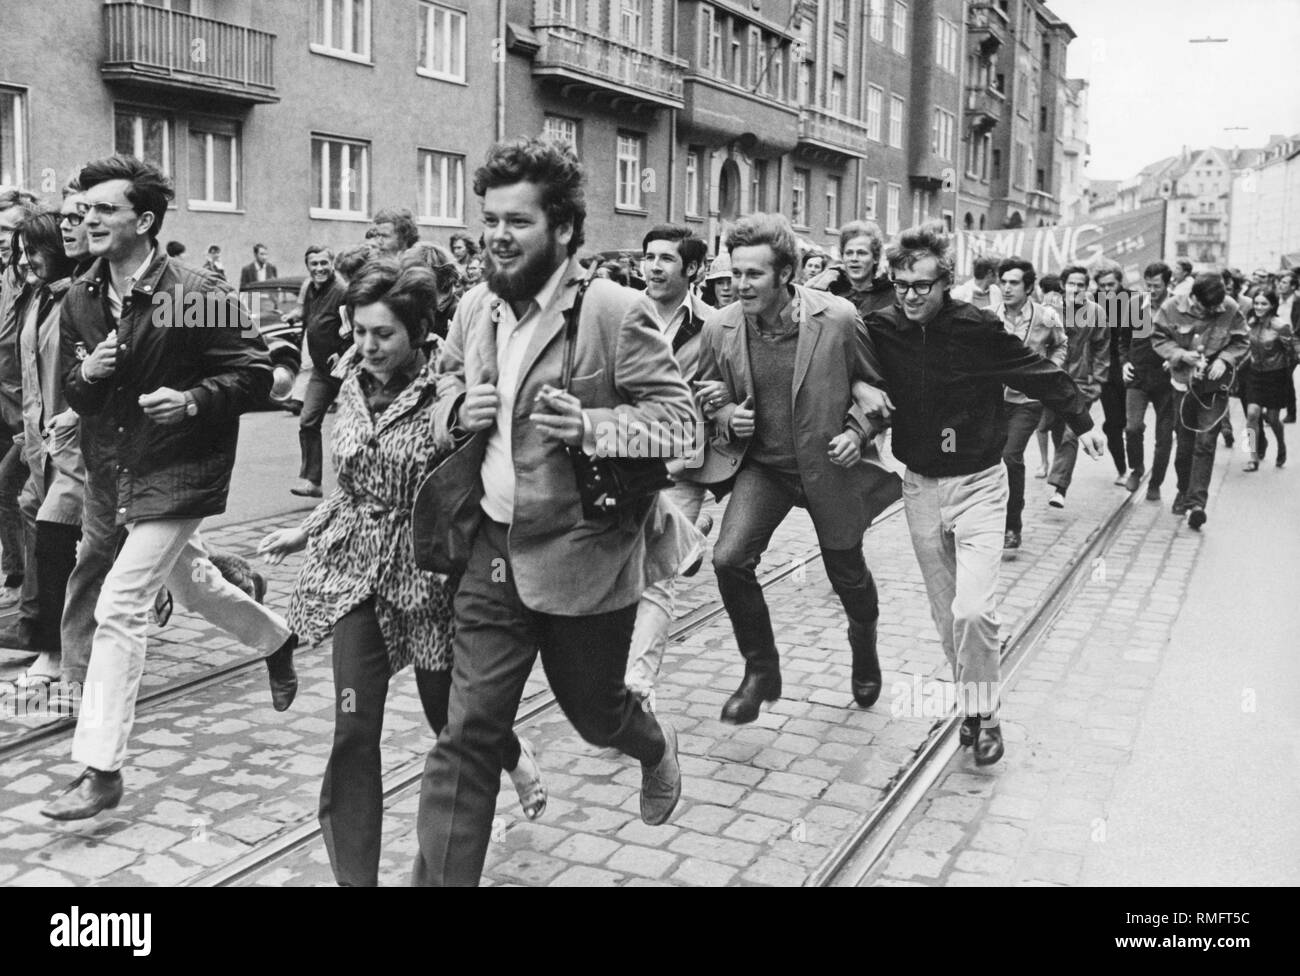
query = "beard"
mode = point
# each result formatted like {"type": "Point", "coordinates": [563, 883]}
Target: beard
{"type": "Point", "coordinates": [528, 276]}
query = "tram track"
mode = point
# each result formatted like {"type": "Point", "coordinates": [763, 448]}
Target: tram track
{"type": "Point", "coordinates": [851, 861]}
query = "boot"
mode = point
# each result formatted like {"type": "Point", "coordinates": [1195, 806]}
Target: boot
{"type": "Point", "coordinates": [760, 684]}
{"type": "Point", "coordinates": [866, 681]}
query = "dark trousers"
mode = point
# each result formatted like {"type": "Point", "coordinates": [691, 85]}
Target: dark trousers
{"type": "Point", "coordinates": [322, 389]}
{"type": "Point", "coordinates": [1161, 400]}
{"type": "Point", "coordinates": [1194, 458]}
{"type": "Point", "coordinates": [352, 794]}
{"type": "Point", "coordinates": [1066, 452]}
{"type": "Point", "coordinates": [1114, 411]}
{"type": "Point", "coordinates": [56, 554]}
{"type": "Point", "coordinates": [497, 640]}
{"type": "Point", "coordinates": [759, 503]}
{"type": "Point", "coordinates": [13, 475]}
{"type": "Point", "coordinates": [100, 537]}
{"type": "Point", "coordinates": [1290, 393]}
{"type": "Point", "coordinates": [1021, 422]}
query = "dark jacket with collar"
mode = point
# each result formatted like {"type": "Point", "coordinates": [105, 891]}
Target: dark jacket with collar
{"type": "Point", "coordinates": [321, 322]}
{"type": "Point", "coordinates": [880, 294]}
{"type": "Point", "coordinates": [946, 378]}
{"type": "Point", "coordinates": [180, 328]}
{"type": "Point", "coordinates": [248, 274]}
{"type": "Point", "coordinates": [832, 353]}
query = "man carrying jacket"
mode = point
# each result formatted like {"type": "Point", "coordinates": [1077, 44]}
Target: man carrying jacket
{"type": "Point", "coordinates": [1039, 328]}
{"type": "Point", "coordinates": [171, 388]}
{"type": "Point", "coordinates": [944, 364]}
{"type": "Point", "coordinates": [1202, 337]}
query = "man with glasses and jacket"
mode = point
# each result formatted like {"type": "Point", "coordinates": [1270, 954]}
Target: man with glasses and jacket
{"type": "Point", "coordinates": [944, 364]}
{"type": "Point", "coordinates": [164, 398]}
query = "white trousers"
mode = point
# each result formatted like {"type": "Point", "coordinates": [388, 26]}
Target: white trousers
{"type": "Point", "coordinates": [157, 552]}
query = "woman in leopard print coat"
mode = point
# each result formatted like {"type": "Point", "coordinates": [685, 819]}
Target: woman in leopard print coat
{"type": "Point", "coordinates": [359, 580]}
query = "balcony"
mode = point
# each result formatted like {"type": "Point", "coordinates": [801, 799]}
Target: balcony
{"type": "Point", "coordinates": [586, 63]}
{"type": "Point", "coordinates": [718, 111]}
{"type": "Point", "coordinates": [826, 131]}
{"type": "Point", "coordinates": [984, 107]}
{"type": "Point", "coordinates": [159, 48]}
{"type": "Point", "coordinates": [988, 28]}
{"type": "Point", "coordinates": [930, 171]}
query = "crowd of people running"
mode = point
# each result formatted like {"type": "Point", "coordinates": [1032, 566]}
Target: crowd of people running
{"type": "Point", "coordinates": [514, 356]}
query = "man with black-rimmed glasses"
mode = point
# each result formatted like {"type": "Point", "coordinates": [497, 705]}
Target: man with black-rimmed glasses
{"type": "Point", "coordinates": [944, 364]}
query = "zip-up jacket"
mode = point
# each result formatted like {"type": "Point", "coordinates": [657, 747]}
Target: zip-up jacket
{"type": "Point", "coordinates": [1039, 328]}
{"type": "Point", "coordinates": [945, 379]}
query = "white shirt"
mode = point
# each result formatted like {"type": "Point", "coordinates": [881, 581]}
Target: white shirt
{"type": "Point", "coordinates": [261, 272]}
{"type": "Point", "coordinates": [966, 293]}
{"type": "Point", "coordinates": [681, 314]}
{"type": "Point", "coordinates": [114, 299]}
{"type": "Point", "coordinates": [513, 338]}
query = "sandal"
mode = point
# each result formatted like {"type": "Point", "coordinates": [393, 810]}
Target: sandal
{"type": "Point", "coordinates": [527, 777]}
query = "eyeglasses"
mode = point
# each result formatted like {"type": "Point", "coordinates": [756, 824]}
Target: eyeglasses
{"type": "Point", "coordinates": [107, 209]}
{"type": "Point", "coordinates": [74, 219]}
{"type": "Point", "coordinates": [922, 288]}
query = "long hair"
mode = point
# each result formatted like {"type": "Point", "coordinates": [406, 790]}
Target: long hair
{"type": "Point", "coordinates": [39, 233]}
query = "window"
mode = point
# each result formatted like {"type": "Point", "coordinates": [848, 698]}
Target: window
{"type": "Point", "coordinates": [441, 179]}
{"type": "Point", "coordinates": [756, 57]}
{"type": "Point", "coordinates": [838, 101]}
{"type": "Point", "coordinates": [832, 203]}
{"type": "Point", "coordinates": [997, 164]}
{"type": "Point", "coordinates": [13, 139]}
{"type": "Point", "coordinates": [343, 29]}
{"type": "Point", "coordinates": [1042, 118]}
{"type": "Point", "coordinates": [758, 186]}
{"type": "Point", "coordinates": [873, 195]}
{"type": "Point", "coordinates": [1040, 179]}
{"type": "Point", "coordinates": [875, 99]}
{"type": "Point", "coordinates": [561, 129]}
{"type": "Point", "coordinates": [877, 18]}
{"type": "Point", "coordinates": [214, 166]}
{"type": "Point", "coordinates": [892, 193]}
{"type": "Point", "coordinates": [340, 178]}
{"type": "Point", "coordinates": [442, 42]}
{"type": "Point", "coordinates": [145, 135]}
{"type": "Point", "coordinates": [693, 161]}
{"type": "Point", "coordinates": [916, 208]}
{"type": "Point", "coordinates": [735, 60]}
{"type": "Point", "coordinates": [895, 121]}
{"type": "Point", "coordinates": [945, 45]}
{"type": "Point", "coordinates": [629, 21]}
{"type": "Point", "coordinates": [799, 199]}
{"type": "Point", "coordinates": [776, 74]}
{"type": "Point", "coordinates": [941, 133]}
{"type": "Point", "coordinates": [631, 148]}
{"type": "Point", "coordinates": [564, 10]}
{"type": "Point", "coordinates": [841, 11]}
{"type": "Point", "coordinates": [900, 27]}
{"type": "Point", "coordinates": [1020, 167]}
{"type": "Point", "coordinates": [710, 40]}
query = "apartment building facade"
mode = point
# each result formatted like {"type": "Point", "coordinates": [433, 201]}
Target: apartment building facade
{"type": "Point", "coordinates": [1264, 209]}
{"type": "Point", "coordinates": [290, 123]}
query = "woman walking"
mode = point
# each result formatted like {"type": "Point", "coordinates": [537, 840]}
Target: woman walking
{"type": "Point", "coordinates": [1273, 352]}
{"type": "Point", "coordinates": [360, 579]}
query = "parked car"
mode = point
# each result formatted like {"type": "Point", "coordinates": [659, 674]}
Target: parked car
{"type": "Point", "coordinates": [267, 302]}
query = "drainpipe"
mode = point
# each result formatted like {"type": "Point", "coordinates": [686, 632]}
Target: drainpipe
{"type": "Point", "coordinates": [960, 167]}
{"type": "Point", "coordinates": [501, 70]}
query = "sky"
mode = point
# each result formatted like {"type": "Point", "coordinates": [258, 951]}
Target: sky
{"type": "Point", "coordinates": [1151, 91]}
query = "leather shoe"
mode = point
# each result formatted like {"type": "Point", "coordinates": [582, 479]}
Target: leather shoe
{"type": "Point", "coordinates": [1153, 493]}
{"type": "Point", "coordinates": [742, 707]}
{"type": "Point", "coordinates": [865, 682]}
{"type": "Point", "coordinates": [1133, 481]}
{"type": "Point", "coordinates": [661, 784]}
{"type": "Point", "coordinates": [306, 489]}
{"type": "Point", "coordinates": [90, 793]}
{"type": "Point", "coordinates": [970, 727]}
{"type": "Point", "coordinates": [988, 746]}
{"type": "Point", "coordinates": [283, 677]}
{"type": "Point", "coordinates": [1010, 539]}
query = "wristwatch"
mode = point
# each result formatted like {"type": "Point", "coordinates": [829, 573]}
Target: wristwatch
{"type": "Point", "coordinates": [191, 405]}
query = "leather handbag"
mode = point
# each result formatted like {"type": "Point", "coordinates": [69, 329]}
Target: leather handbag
{"type": "Point", "coordinates": [445, 514]}
{"type": "Point", "coordinates": [608, 486]}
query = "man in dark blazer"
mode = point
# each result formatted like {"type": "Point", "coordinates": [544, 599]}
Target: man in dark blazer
{"type": "Point", "coordinates": [259, 269]}
{"type": "Point", "coordinates": [542, 576]}
{"type": "Point", "coordinates": [782, 360]}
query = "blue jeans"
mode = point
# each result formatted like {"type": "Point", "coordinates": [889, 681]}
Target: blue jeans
{"type": "Point", "coordinates": [759, 503]}
{"type": "Point", "coordinates": [322, 389]}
